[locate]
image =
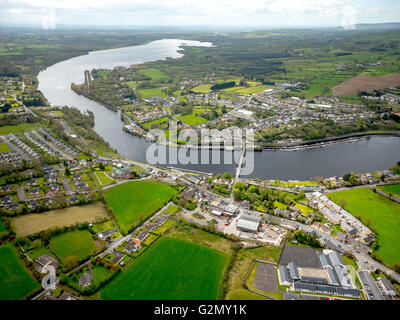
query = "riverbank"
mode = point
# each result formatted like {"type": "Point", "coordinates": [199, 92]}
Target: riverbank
{"type": "Point", "coordinates": [351, 137]}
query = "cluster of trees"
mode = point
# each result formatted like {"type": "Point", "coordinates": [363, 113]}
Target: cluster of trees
{"type": "Point", "coordinates": [351, 178]}
{"type": "Point", "coordinates": [24, 171]}
{"type": "Point", "coordinates": [181, 108]}
{"type": "Point", "coordinates": [262, 198]}
{"type": "Point", "coordinates": [220, 86]}
{"type": "Point", "coordinates": [34, 100]}
{"type": "Point", "coordinates": [187, 203]}
{"type": "Point", "coordinates": [15, 119]}
{"type": "Point", "coordinates": [306, 239]}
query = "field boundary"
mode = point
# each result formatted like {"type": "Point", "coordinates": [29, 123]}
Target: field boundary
{"type": "Point", "coordinates": [248, 274]}
{"type": "Point", "coordinates": [384, 194]}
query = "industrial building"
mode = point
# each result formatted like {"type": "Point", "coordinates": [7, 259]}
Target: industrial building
{"type": "Point", "coordinates": [248, 223]}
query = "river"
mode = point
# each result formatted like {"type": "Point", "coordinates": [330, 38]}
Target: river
{"type": "Point", "coordinates": [366, 155]}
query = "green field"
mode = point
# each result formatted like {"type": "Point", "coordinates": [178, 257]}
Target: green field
{"type": "Point", "coordinates": [155, 74]}
{"type": "Point", "coordinates": [19, 128]}
{"type": "Point", "coordinates": [162, 122]}
{"type": "Point", "coordinates": [382, 215]}
{"type": "Point", "coordinates": [135, 201]}
{"type": "Point", "coordinates": [246, 90]}
{"type": "Point", "coordinates": [202, 88]}
{"type": "Point", "coordinates": [76, 243]}
{"type": "Point", "coordinates": [394, 188]}
{"type": "Point", "coordinates": [170, 269]}
{"type": "Point", "coordinates": [152, 92]}
{"type": "Point", "coordinates": [193, 118]}
{"type": "Point", "coordinates": [242, 294]}
{"type": "Point", "coordinates": [15, 281]}
{"type": "Point", "coordinates": [2, 227]}
{"type": "Point", "coordinates": [4, 148]}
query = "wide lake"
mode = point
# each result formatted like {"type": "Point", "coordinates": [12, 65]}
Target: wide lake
{"type": "Point", "coordinates": [366, 155]}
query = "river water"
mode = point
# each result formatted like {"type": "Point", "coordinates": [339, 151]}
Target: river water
{"type": "Point", "coordinates": [367, 155]}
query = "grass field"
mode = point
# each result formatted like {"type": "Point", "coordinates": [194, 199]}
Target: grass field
{"type": "Point", "coordinates": [382, 215]}
{"type": "Point", "coordinates": [2, 227]}
{"type": "Point", "coordinates": [102, 179]}
{"type": "Point", "coordinates": [4, 148]}
{"type": "Point", "coordinates": [154, 74]}
{"type": "Point", "coordinates": [76, 243]}
{"type": "Point", "coordinates": [19, 128]}
{"type": "Point", "coordinates": [394, 188]}
{"type": "Point", "coordinates": [152, 92]}
{"type": "Point", "coordinates": [202, 88]}
{"type": "Point", "coordinates": [37, 222]}
{"type": "Point", "coordinates": [162, 122]}
{"type": "Point", "coordinates": [135, 201]}
{"type": "Point", "coordinates": [242, 294]}
{"type": "Point", "coordinates": [193, 118]}
{"type": "Point", "coordinates": [15, 281]}
{"type": "Point", "coordinates": [170, 269]}
{"type": "Point", "coordinates": [251, 90]}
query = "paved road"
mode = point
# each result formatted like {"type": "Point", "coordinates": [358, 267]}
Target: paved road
{"type": "Point", "coordinates": [371, 290]}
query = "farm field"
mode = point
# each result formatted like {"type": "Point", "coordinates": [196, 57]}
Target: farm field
{"type": "Point", "coordinates": [154, 74]}
{"type": "Point", "coordinates": [76, 243]}
{"type": "Point", "coordinates": [202, 88]}
{"type": "Point", "coordinates": [367, 83]}
{"type": "Point", "coordinates": [37, 222]}
{"type": "Point", "coordinates": [15, 281]}
{"type": "Point", "coordinates": [153, 92]}
{"type": "Point", "coordinates": [394, 188]}
{"type": "Point", "coordinates": [150, 276]}
{"type": "Point", "coordinates": [149, 124]}
{"type": "Point", "coordinates": [193, 118]}
{"type": "Point", "coordinates": [382, 214]}
{"type": "Point", "coordinates": [19, 128]}
{"type": "Point", "coordinates": [135, 201]}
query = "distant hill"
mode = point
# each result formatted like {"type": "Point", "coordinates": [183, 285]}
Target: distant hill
{"type": "Point", "coordinates": [378, 26]}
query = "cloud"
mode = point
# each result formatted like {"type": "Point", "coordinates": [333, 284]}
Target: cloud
{"type": "Point", "coordinates": [49, 19]}
{"type": "Point", "coordinates": [230, 12]}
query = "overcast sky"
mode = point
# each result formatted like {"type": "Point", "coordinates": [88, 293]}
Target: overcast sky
{"type": "Point", "coordinates": [256, 13]}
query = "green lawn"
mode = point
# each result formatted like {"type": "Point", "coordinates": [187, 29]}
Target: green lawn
{"type": "Point", "coordinates": [76, 243]}
{"type": "Point", "coordinates": [135, 201]}
{"type": "Point", "coordinates": [15, 281]}
{"type": "Point", "coordinates": [19, 128]}
{"type": "Point", "coordinates": [170, 269]}
{"type": "Point", "coordinates": [394, 188]}
{"type": "Point", "coordinates": [100, 274]}
{"type": "Point", "coordinates": [4, 148]}
{"type": "Point", "coordinates": [381, 213]}
{"type": "Point", "coordinates": [152, 92]}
